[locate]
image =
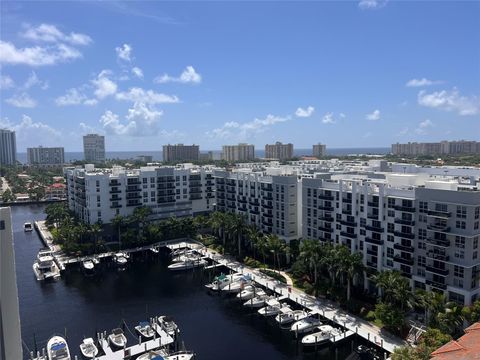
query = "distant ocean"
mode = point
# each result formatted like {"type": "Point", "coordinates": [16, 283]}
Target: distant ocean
{"type": "Point", "coordinates": [157, 155]}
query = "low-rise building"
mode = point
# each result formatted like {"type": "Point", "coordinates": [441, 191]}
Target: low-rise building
{"type": "Point", "coordinates": [466, 347]}
{"type": "Point", "coordinates": [56, 191]}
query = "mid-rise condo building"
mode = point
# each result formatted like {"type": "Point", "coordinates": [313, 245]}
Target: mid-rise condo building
{"type": "Point", "coordinates": [279, 151]}
{"type": "Point", "coordinates": [437, 148]}
{"type": "Point", "coordinates": [180, 152]}
{"type": "Point", "coordinates": [319, 150]}
{"type": "Point", "coordinates": [46, 156]}
{"type": "Point", "coordinates": [8, 147]}
{"type": "Point", "coordinates": [240, 152]}
{"type": "Point", "coordinates": [94, 148]}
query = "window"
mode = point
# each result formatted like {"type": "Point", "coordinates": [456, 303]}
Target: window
{"type": "Point", "coordinates": [423, 206]}
{"type": "Point", "coordinates": [390, 252]}
{"type": "Point", "coordinates": [475, 242]}
{"type": "Point", "coordinates": [2, 225]}
{"type": "Point", "coordinates": [441, 207]}
{"type": "Point", "coordinates": [144, 180]}
{"type": "Point", "coordinates": [422, 218]}
{"type": "Point", "coordinates": [422, 234]}
{"type": "Point", "coordinates": [422, 261]}
{"type": "Point", "coordinates": [422, 245]}
{"type": "Point", "coordinates": [461, 212]}
{"type": "Point", "coordinates": [460, 242]}
{"type": "Point", "coordinates": [460, 254]}
{"type": "Point", "coordinates": [458, 271]}
{"type": "Point", "coordinates": [460, 224]}
{"type": "Point", "coordinates": [391, 202]}
{"type": "Point", "coordinates": [477, 212]}
{"type": "Point", "coordinates": [475, 225]}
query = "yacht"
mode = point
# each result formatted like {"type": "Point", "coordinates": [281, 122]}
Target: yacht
{"type": "Point", "coordinates": [187, 264]}
{"type": "Point", "coordinates": [291, 316]}
{"type": "Point", "coordinates": [181, 355]}
{"type": "Point", "coordinates": [249, 292]}
{"type": "Point", "coordinates": [57, 349]}
{"type": "Point", "coordinates": [88, 265]}
{"type": "Point", "coordinates": [305, 325]}
{"type": "Point", "coordinates": [257, 301]}
{"type": "Point", "coordinates": [117, 338]}
{"type": "Point", "coordinates": [188, 256]}
{"type": "Point", "coordinates": [44, 266]}
{"type": "Point", "coordinates": [179, 252]}
{"type": "Point", "coordinates": [237, 285]}
{"type": "Point", "coordinates": [319, 337]}
{"type": "Point", "coordinates": [223, 280]}
{"type": "Point", "coordinates": [168, 325]}
{"type": "Point", "coordinates": [120, 258]}
{"type": "Point", "coordinates": [88, 348]}
{"type": "Point", "coordinates": [28, 227]}
{"type": "Point", "coordinates": [145, 329]}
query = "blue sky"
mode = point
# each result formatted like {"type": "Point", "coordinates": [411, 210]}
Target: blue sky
{"type": "Point", "coordinates": [348, 74]}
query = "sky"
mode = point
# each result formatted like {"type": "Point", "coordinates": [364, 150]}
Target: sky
{"type": "Point", "coordinates": [365, 73]}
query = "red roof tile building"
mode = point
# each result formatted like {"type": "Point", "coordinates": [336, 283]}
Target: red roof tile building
{"type": "Point", "coordinates": [465, 348]}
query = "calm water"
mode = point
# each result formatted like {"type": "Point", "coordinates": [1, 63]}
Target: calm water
{"type": "Point", "coordinates": [214, 326]}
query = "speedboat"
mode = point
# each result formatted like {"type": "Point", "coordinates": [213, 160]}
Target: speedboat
{"type": "Point", "coordinates": [159, 354]}
{"type": "Point", "coordinates": [185, 257]}
{"type": "Point", "coordinates": [45, 267]}
{"type": "Point", "coordinates": [88, 265]}
{"type": "Point", "coordinates": [88, 348]}
{"type": "Point", "coordinates": [305, 325]}
{"type": "Point", "coordinates": [154, 250]}
{"type": "Point", "coordinates": [223, 280]}
{"type": "Point", "coordinates": [181, 355]}
{"type": "Point", "coordinates": [120, 258]}
{"type": "Point", "coordinates": [249, 292]}
{"type": "Point", "coordinates": [291, 316]}
{"type": "Point", "coordinates": [273, 308]}
{"type": "Point", "coordinates": [257, 301]}
{"type": "Point", "coordinates": [28, 227]}
{"type": "Point", "coordinates": [145, 329]}
{"type": "Point", "coordinates": [319, 337]}
{"type": "Point", "coordinates": [365, 353]}
{"type": "Point", "coordinates": [237, 285]}
{"type": "Point", "coordinates": [187, 264]}
{"type": "Point", "coordinates": [168, 325]}
{"type": "Point", "coordinates": [57, 349]}
{"type": "Point", "coordinates": [117, 338]}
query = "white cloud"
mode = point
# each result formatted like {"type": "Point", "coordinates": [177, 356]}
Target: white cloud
{"type": "Point", "coordinates": [189, 75]}
{"type": "Point", "coordinates": [6, 82]}
{"type": "Point", "coordinates": [403, 132]}
{"type": "Point", "coordinates": [29, 132]}
{"type": "Point", "coordinates": [22, 100]}
{"type": "Point", "coordinates": [50, 33]}
{"type": "Point", "coordinates": [137, 72]}
{"type": "Point", "coordinates": [104, 86]}
{"type": "Point", "coordinates": [422, 82]}
{"type": "Point", "coordinates": [36, 55]}
{"type": "Point", "coordinates": [342, 115]}
{"type": "Point", "coordinates": [124, 52]}
{"type": "Point", "coordinates": [423, 126]}
{"type": "Point", "coordinates": [90, 102]}
{"type": "Point", "coordinates": [87, 129]}
{"type": "Point", "coordinates": [137, 94]}
{"type": "Point", "coordinates": [371, 4]}
{"type": "Point", "coordinates": [72, 97]}
{"type": "Point", "coordinates": [450, 101]}
{"type": "Point", "coordinates": [328, 118]}
{"type": "Point", "coordinates": [375, 115]}
{"type": "Point", "coordinates": [304, 113]}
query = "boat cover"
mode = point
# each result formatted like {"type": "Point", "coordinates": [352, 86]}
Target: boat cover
{"type": "Point", "coordinates": [58, 346]}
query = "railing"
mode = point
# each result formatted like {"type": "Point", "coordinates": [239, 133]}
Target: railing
{"type": "Point", "coordinates": [348, 223]}
{"type": "Point", "coordinates": [326, 208]}
{"type": "Point", "coordinates": [404, 235]}
{"type": "Point", "coordinates": [438, 213]}
{"type": "Point", "coordinates": [374, 241]}
{"type": "Point", "coordinates": [436, 284]}
{"type": "Point", "coordinates": [373, 228]}
{"type": "Point", "coordinates": [404, 222]}
{"type": "Point", "coordinates": [437, 256]}
{"type": "Point", "coordinates": [349, 235]}
{"type": "Point", "coordinates": [402, 247]}
{"type": "Point", "coordinates": [436, 227]}
{"type": "Point", "coordinates": [435, 270]}
{"type": "Point", "coordinates": [326, 197]}
{"type": "Point", "coordinates": [404, 208]}
{"type": "Point", "coordinates": [403, 260]}
{"type": "Point", "coordinates": [439, 242]}
{"type": "Point", "coordinates": [326, 229]}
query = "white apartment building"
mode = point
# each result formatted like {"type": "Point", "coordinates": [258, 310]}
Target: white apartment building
{"type": "Point", "coordinates": [426, 227]}
{"type": "Point", "coordinates": [180, 152]}
{"type": "Point", "coordinates": [240, 152]}
{"type": "Point", "coordinates": [272, 203]}
{"type": "Point", "coordinates": [8, 147]}
{"type": "Point", "coordinates": [46, 156]}
{"type": "Point", "coordinates": [101, 194]}
{"type": "Point", "coordinates": [279, 151]}
{"type": "Point", "coordinates": [319, 150]}
{"type": "Point", "coordinates": [94, 148]}
{"type": "Point", "coordinates": [437, 148]}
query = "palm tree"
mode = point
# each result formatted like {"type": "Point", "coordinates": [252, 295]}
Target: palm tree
{"type": "Point", "coordinates": [276, 246]}
{"type": "Point", "coordinates": [118, 221]}
{"type": "Point", "coordinates": [95, 230]}
{"type": "Point", "coordinates": [253, 236]}
{"type": "Point", "coordinates": [236, 228]}
{"type": "Point", "coordinates": [352, 265]}
{"type": "Point", "coordinates": [311, 253]}
{"type": "Point", "coordinates": [262, 246]}
{"type": "Point", "coordinates": [395, 289]}
{"type": "Point", "coordinates": [451, 320]}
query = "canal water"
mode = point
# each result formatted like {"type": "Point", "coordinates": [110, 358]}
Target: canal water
{"type": "Point", "coordinates": [214, 326]}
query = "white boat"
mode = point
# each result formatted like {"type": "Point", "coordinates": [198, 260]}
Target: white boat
{"type": "Point", "coordinates": [237, 285]}
{"type": "Point", "coordinates": [291, 316]}
{"type": "Point", "coordinates": [273, 308]}
{"type": "Point", "coordinates": [120, 258]}
{"type": "Point", "coordinates": [88, 348]}
{"type": "Point", "coordinates": [168, 325]}
{"type": "Point", "coordinates": [257, 301]}
{"type": "Point", "coordinates": [249, 292]}
{"type": "Point", "coordinates": [88, 265]}
{"type": "Point", "coordinates": [318, 337]}
{"type": "Point", "coordinates": [117, 338]}
{"type": "Point", "coordinates": [145, 329]}
{"type": "Point", "coordinates": [305, 325]}
{"type": "Point", "coordinates": [28, 227]}
{"type": "Point", "coordinates": [179, 252]}
{"type": "Point", "coordinates": [57, 349]}
{"type": "Point", "coordinates": [187, 264]}
{"type": "Point", "coordinates": [188, 256]}
{"type": "Point", "coordinates": [45, 267]}
{"type": "Point", "coordinates": [159, 354]}
{"type": "Point", "coordinates": [154, 250]}
{"type": "Point", "coordinates": [181, 355]}
{"type": "Point", "coordinates": [223, 280]}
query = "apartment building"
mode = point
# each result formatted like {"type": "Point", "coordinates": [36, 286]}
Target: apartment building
{"type": "Point", "coordinates": [279, 151]}
{"type": "Point", "coordinates": [240, 152]}
{"type": "Point", "coordinates": [437, 148]}
{"type": "Point", "coordinates": [94, 148]}
{"type": "Point", "coordinates": [101, 194]}
{"type": "Point", "coordinates": [269, 202]}
{"type": "Point", "coordinates": [180, 152]}
{"type": "Point", "coordinates": [8, 147]}
{"type": "Point", "coordinates": [319, 150]}
{"type": "Point", "coordinates": [46, 156]}
{"type": "Point", "coordinates": [425, 227]}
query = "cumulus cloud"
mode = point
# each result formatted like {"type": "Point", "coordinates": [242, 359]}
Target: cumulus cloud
{"type": "Point", "coordinates": [423, 126]}
{"type": "Point", "coordinates": [29, 132]}
{"type": "Point", "coordinates": [124, 52]}
{"type": "Point", "coordinates": [189, 75]}
{"type": "Point", "coordinates": [304, 113]}
{"type": "Point", "coordinates": [50, 33]}
{"type": "Point", "coordinates": [137, 72]}
{"type": "Point", "coordinates": [371, 4]}
{"type": "Point", "coordinates": [22, 100]}
{"type": "Point", "coordinates": [450, 101]}
{"type": "Point", "coordinates": [421, 82]}
{"type": "Point", "coordinates": [151, 97]}
{"type": "Point", "coordinates": [6, 82]}
{"type": "Point", "coordinates": [104, 86]}
{"type": "Point", "coordinates": [375, 115]}
{"type": "Point", "coordinates": [74, 97]}
{"type": "Point", "coordinates": [328, 118]}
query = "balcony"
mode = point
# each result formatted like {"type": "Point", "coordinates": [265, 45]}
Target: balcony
{"type": "Point", "coordinates": [326, 197]}
{"type": "Point", "coordinates": [348, 223]}
{"type": "Point", "coordinates": [326, 229]}
{"type": "Point", "coordinates": [404, 208]}
{"type": "Point", "coordinates": [115, 191]}
{"type": "Point", "coordinates": [439, 242]}
{"type": "Point", "coordinates": [435, 270]}
{"type": "Point", "coordinates": [439, 214]}
{"type": "Point", "coordinates": [404, 222]}
{"type": "Point", "coordinates": [133, 189]}
{"type": "Point", "coordinates": [349, 235]}
{"type": "Point", "coordinates": [135, 203]}
{"type": "Point", "coordinates": [115, 206]}
{"type": "Point", "coordinates": [372, 216]}
{"type": "Point", "coordinates": [438, 227]}
{"type": "Point", "coordinates": [255, 212]}
{"type": "Point", "coordinates": [133, 182]}
{"type": "Point", "coordinates": [372, 252]}
{"type": "Point", "coordinates": [374, 228]}
{"type": "Point", "coordinates": [406, 274]}
{"type": "Point", "coordinates": [374, 241]}
{"type": "Point", "coordinates": [404, 235]}
{"type": "Point", "coordinates": [240, 200]}
{"type": "Point", "coordinates": [267, 223]}
{"type": "Point", "coordinates": [326, 218]}
{"type": "Point", "coordinates": [133, 197]}
{"type": "Point", "coordinates": [115, 199]}
{"type": "Point", "coordinates": [326, 208]}
{"type": "Point", "coordinates": [403, 260]}
{"type": "Point", "coordinates": [436, 284]}
{"type": "Point", "coordinates": [403, 247]}
{"type": "Point", "coordinates": [346, 212]}
{"type": "Point", "coordinates": [437, 256]}
{"type": "Point", "coordinates": [372, 204]}
{"type": "Point", "coordinates": [372, 264]}
{"type": "Point", "coordinates": [347, 200]}
{"type": "Point", "coordinates": [195, 197]}
{"type": "Point", "coordinates": [254, 202]}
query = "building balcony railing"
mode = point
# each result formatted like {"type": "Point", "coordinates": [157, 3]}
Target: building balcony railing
{"type": "Point", "coordinates": [374, 228]}
{"type": "Point", "coordinates": [326, 218]}
{"type": "Point", "coordinates": [133, 197]}
{"type": "Point", "coordinates": [373, 241]}
{"type": "Point", "coordinates": [439, 242]}
{"type": "Point", "coordinates": [404, 235]}
{"type": "Point", "coordinates": [372, 252]}
{"type": "Point", "coordinates": [115, 199]}
{"type": "Point", "coordinates": [404, 208]}
{"type": "Point", "coordinates": [326, 197]}
{"type": "Point", "coordinates": [436, 284]}
{"type": "Point", "coordinates": [437, 227]}
{"type": "Point", "coordinates": [402, 247]}
{"type": "Point", "coordinates": [266, 214]}
{"type": "Point", "coordinates": [326, 208]}
{"type": "Point", "coordinates": [435, 270]}
{"type": "Point", "coordinates": [372, 264]}
{"type": "Point", "coordinates": [133, 182]}
{"type": "Point", "coordinates": [349, 235]}
{"type": "Point", "coordinates": [372, 216]}
{"type": "Point", "coordinates": [136, 203]}
{"type": "Point", "coordinates": [440, 214]}
{"type": "Point", "coordinates": [115, 191]}
{"type": "Point", "coordinates": [372, 204]}
{"type": "Point", "coordinates": [326, 229]}
{"type": "Point", "coordinates": [255, 212]}
{"type": "Point", "coordinates": [403, 260]}
{"type": "Point", "coordinates": [132, 189]}
{"type": "Point", "coordinates": [348, 223]}
{"type": "Point", "coordinates": [406, 274]}
{"type": "Point", "coordinates": [115, 206]}
{"type": "Point", "coordinates": [195, 197]}
{"type": "Point", "coordinates": [437, 256]}
{"type": "Point", "coordinates": [347, 200]}
{"type": "Point", "coordinates": [404, 222]}
{"type": "Point", "coordinates": [346, 212]}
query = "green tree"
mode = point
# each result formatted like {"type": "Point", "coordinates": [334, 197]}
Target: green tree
{"type": "Point", "coordinates": [311, 252]}
{"type": "Point", "coordinates": [352, 266]}
{"type": "Point", "coordinates": [390, 315]}
{"type": "Point", "coordinates": [277, 247]}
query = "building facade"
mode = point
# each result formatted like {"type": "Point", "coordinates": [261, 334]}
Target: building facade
{"type": "Point", "coordinates": [319, 150]}
{"type": "Point", "coordinates": [271, 203]}
{"type": "Point", "coordinates": [240, 152]}
{"type": "Point", "coordinates": [8, 147]}
{"type": "Point", "coordinates": [98, 195]}
{"type": "Point", "coordinates": [279, 151]}
{"type": "Point", "coordinates": [180, 152]}
{"type": "Point", "coordinates": [94, 148]}
{"type": "Point", "coordinates": [438, 148]}
{"type": "Point", "coordinates": [429, 232]}
{"type": "Point", "coordinates": [46, 156]}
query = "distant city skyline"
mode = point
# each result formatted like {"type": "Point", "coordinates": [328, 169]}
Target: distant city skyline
{"type": "Point", "coordinates": [346, 74]}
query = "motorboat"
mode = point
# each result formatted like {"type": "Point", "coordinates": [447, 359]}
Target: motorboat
{"type": "Point", "coordinates": [223, 280]}
{"type": "Point", "coordinates": [159, 354]}
{"type": "Point", "coordinates": [237, 285]}
{"type": "Point", "coordinates": [154, 250]}
{"type": "Point", "coordinates": [289, 317]}
{"type": "Point", "coordinates": [88, 348]}
{"type": "Point", "coordinates": [88, 265]}
{"type": "Point", "coordinates": [188, 256]}
{"type": "Point", "coordinates": [28, 227]}
{"type": "Point", "coordinates": [319, 337]}
{"type": "Point", "coordinates": [120, 258]}
{"type": "Point", "coordinates": [57, 349]}
{"type": "Point", "coordinates": [305, 325]}
{"type": "Point", "coordinates": [145, 329]}
{"type": "Point", "coordinates": [249, 292]}
{"type": "Point", "coordinates": [181, 355]}
{"type": "Point", "coordinates": [273, 308]}
{"type": "Point", "coordinates": [117, 338]}
{"type": "Point", "coordinates": [365, 353]}
{"type": "Point", "coordinates": [178, 252]}
{"type": "Point", "coordinates": [187, 264]}
{"type": "Point", "coordinates": [168, 325]}
{"type": "Point", "coordinates": [44, 266]}
{"type": "Point", "coordinates": [257, 301]}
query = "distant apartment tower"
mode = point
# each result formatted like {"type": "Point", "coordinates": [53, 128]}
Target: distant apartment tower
{"type": "Point", "coordinates": [279, 151]}
{"type": "Point", "coordinates": [437, 148]}
{"type": "Point", "coordinates": [10, 336]}
{"type": "Point", "coordinates": [8, 147]}
{"type": "Point", "coordinates": [94, 148]}
{"type": "Point", "coordinates": [319, 150]}
{"type": "Point", "coordinates": [240, 152]}
{"type": "Point", "coordinates": [180, 152]}
{"type": "Point", "coordinates": [46, 156]}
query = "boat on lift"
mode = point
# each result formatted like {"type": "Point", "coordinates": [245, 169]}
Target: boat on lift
{"type": "Point", "coordinates": [289, 317]}
{"type": "Point", "coordinates": [121, 258]}
{"type": "Point", "coordinates": [273, 308]}
{"type": "Point", "coordinates": [88, 348]}
{"type": "Point", "coordinates": [305, 325]}
{"type": "Point", "coordinates": [257, 301]}
{"type": "Point", "coordinates": [223, 280]}
{"type": "Point", "coordinates": [117, 338]}
{"type": "Point", "coordinates": [145, 329]}
{"type": "Point", "coordinates": [57, 349]}
{"type": "Point", "coordinates": [168, 325]}
{"type": "Point", "coordinates": [319, 337]}
{"type": "Point", "coordinates": [249, 292]}
{"type": "Point", "coordinates": [187, 264]}
{"type": "Point", "coordinates": [88, 265]}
